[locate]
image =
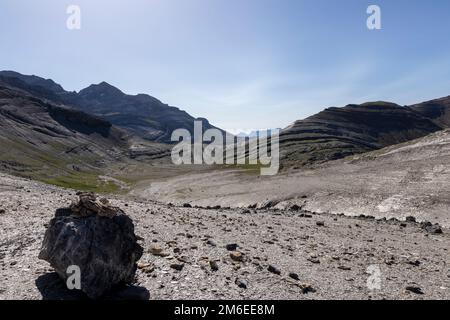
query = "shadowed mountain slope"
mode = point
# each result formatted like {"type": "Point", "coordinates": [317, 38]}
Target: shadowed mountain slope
{"type": "Point", "coordinates": [142, 115]}
{"type": "Point", "coordinates": [338, 132]}
{"type": "Point", "coordinates": [45, 141]}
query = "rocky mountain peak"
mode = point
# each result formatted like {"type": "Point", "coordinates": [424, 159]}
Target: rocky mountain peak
{"type": "Point", "coordinates": [103, 89]}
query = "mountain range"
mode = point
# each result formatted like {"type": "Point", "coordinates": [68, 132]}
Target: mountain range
{"type": "Point", "coordinates": [49, 133]}
{"type": "Point", "coordinates": [141, 115]}
{"type": "Point", "coordinates": [339, 132]}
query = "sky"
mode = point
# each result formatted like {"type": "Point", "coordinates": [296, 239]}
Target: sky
{"type": "Point", "coordinates": [242, 64]}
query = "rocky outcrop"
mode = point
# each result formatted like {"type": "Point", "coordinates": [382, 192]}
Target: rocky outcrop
{"type": "Point", "coordinates": [96, 237]}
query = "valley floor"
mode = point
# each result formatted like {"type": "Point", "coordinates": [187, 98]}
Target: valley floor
{"type": "Point", "coordinates": [333, 256]}
{"type": "Point", "coordinates": [410, 179]}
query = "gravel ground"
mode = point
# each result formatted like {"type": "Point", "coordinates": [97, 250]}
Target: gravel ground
{"type": "Point", "coordinates": [330, 256]}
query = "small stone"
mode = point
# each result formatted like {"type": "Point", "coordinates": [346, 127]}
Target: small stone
{"type": "Point", "coordinates": [344, 268]}
{"type": "Point", "coordinates": [2, 211]}
{"type": "Point", "coordinates": [294, 276]}
{"type": "Point", "coordinates": [177, 266]}
{"type": "Point", "coordinates": [320, 223]}
{"type": "Point", "coordinates": [414, 289]}
{"type": "Point", "coordinates": [274, 269]}
{"type": "Point", "coordinates": [307, 288]}
{"type": "Point", "coordinates": [314, 260]}
{"type": "Point", "coordinates": [146, 267]}
{"type": "Point", "coordinates": [231, 247]}
{"type": "Point", "coordinates": [241, 283]}
{"type": "Point", "coordinates": [211, 243]}
{"type": "Point", "coordinates": [431, 228]}
{"type": "Point", "coordinates": [410, 219]}
{"type": "Point", "coordinates": [415, 263]}
{"type": "Point", "coordinates": [187, 205]}
{"type": "Point", "coordinates": [183, 259]}
{"type": "Point", "coordinates": [237, 256]}
{"type": "Point", "coordinates": [214, 266]}
{"type": "Point", "coordinates": [156, 250]}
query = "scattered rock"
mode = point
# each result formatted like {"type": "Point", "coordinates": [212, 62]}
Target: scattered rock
{"type": "Point", "coordinates": [88, 205]}
{"type": "Point", "coordinates": [214, 266]}
{"type": "Point", "coordinates": [294, 276]}
{"type": "Point", "coordinates": [414, 289]}
{"type": "Point", "coordinates": [97, 238]}
{"type": "Point", "coordinates": [314, 260]}
{"type": "Point", "coordinates": [156, 250]}
{"type": "Point", "coordinates": [346, 268]}
{"type": "Point", "coordinates": [431, 228]}
{"type": "Point", "coordinates": [415, 263]}
{"type": "Point", "coordinates": [146, 267]}
{"type": "Point", "coordinates": [231, 247]}
{"type": "Point", "coordinates": [211, 243]}
{"type": "Point", "coordinates": [410, 219]}
{"type": "Point", "coordinates": [187, 205]}
{"type": "Point", "coordinates": [177, 266]}
{"type": "Point", "coordinates": [274, 269]}
{"type": "Point", "coordinates": [237, 256]}
{"type": "Point", "coordinates": [307, 288]}
{"type": "Point", "coordinates": [241, 283]}
{"type": "Point", "coordinates": [320, 223]}
{"type": "Point", "coordinates": [2, 211]}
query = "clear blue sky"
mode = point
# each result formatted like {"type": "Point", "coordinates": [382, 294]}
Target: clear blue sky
{"type": "Point", "coordinates": [243, 64]}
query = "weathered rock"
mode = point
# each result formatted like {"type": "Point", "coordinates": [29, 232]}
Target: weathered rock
{"type": "Point", "coordinates": [177, 266]}
{"type": "Point", "coordinates": [231, 247]}
{"type": "Point", "coordinates": [431, 228]}
{"type": "Point", "coordinates": [241, 283]}
{"type": "Point", "coordinates": [214, 266]}
{"type": "Point", "coordinates": [414, 289]}
{"type": "Point", "coordinates": [97, 238]}
{"type": "Point", "coordinates": [294, 276]}
{"type": "Point", "coordinates": [89, 205]}
{"type": "Point", "coordinates": [156, 250]}
{"type": "Point", "coordinates": [237, 256]}
{"type": "Point", "coordinates": [307, 288]}
{"type": "Point", "coordinates": [146, 267]}
{"type": "Point", "coordinates": [274, 269]}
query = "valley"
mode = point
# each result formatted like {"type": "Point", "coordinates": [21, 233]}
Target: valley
{"type": "Point", "coordinates": [360, 187]}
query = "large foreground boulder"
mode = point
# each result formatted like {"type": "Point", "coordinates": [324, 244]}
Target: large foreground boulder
{"type": "Point", "coordinates": [97, 238]}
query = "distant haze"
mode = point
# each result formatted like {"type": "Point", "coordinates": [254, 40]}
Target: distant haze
{"type": "Point", "coordinates": [240, 64]}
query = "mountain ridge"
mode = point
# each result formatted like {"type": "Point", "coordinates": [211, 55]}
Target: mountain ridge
{"type": "Point", "coordinates": [142, 115]}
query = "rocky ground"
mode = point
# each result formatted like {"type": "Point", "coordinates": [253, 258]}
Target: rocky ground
{"type": "Point", "coordinates": [410, 179]}
{"type": "Point", "coordinates": [217, 253]}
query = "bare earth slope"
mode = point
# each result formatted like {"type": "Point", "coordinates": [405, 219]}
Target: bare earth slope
{"type": "Point", "coordinates": [331, 255]}
{"type": "Point", "coordinates": [410, 179]}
